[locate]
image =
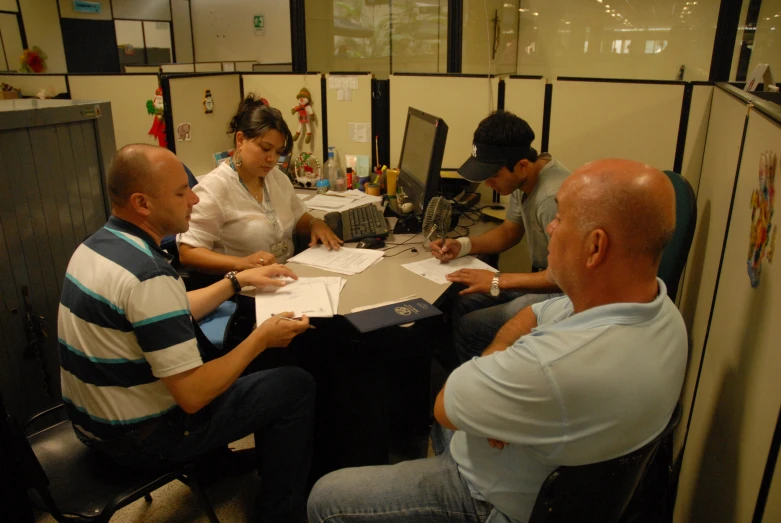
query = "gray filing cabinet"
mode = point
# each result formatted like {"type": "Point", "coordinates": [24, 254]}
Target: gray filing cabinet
{"type": "Point", "coordinates": [54, 156]}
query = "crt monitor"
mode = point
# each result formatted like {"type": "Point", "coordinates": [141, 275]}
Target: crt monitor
{"type": "Point", "coordinates": [421, 158]}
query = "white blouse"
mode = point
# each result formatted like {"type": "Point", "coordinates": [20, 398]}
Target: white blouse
{"type": "Point", "coordinates": [228, 220]}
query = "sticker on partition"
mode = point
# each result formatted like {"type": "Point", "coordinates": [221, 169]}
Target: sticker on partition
{"type": "Point", "coordinates": [208, 102]}
{"type": "Point", "coordinates": [762, 237]}
{"type": "Point", "coordinates": [183, 132]}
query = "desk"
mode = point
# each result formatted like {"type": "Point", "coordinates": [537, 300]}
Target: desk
{"type": "Point", "coordinates": [386, 280]}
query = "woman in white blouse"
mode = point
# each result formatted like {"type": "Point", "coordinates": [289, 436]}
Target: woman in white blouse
{"type": "Point", "coordinates": [248, 211]}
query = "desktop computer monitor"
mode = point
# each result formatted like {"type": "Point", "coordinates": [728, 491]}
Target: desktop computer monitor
{"type": "Point", "coordinates": [421, 158]}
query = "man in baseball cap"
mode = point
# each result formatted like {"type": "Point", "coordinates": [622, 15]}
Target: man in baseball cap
{"type": "Point", "coordinates": [503, 158]}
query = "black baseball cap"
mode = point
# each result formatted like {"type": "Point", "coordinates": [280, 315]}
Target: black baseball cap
{"type": "Point", "coordinates": [486, 160]}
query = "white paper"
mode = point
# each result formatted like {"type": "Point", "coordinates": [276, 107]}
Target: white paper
{"type": "Point", "coordinates": [326, 203]}
{"type": "Point", "coordinates": [346, 200]}
{"type": "Point", "coordinates": [310, 298]}
{"type": "Point", "coordinates": [359, 132]}
{"type": "Point", "coordinates": [344, 261]}
{"type": "Point", "coordinates": [436, 271]}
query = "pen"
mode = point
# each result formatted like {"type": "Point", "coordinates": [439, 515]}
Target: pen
{"type": "Point", "coordinates": [311, 327]}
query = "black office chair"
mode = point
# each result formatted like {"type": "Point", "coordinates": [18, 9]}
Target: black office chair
{"type": "Point", "coordinates": [677, 251]}
{"type": "Point", "coordinates": [74, 483]}
{"type": "Point", "coordinates": [599, 492]}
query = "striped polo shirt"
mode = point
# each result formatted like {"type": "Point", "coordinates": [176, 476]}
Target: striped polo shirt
{"type": "Point", "coordinates": [124, 323]}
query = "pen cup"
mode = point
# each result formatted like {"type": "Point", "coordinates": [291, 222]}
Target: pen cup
{"type": "Point", "coordinates": [390, 181]}
{"type": "Point", "coordinates": [362, 181]}
{"type": "Point", "coordinates": [373, 189]}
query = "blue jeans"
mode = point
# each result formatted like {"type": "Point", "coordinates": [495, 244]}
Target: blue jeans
{"type": "Point", "coordinates": [427, 490]}
{"type": "Point", "coordinates": [478, 317]}
{"type": "Point", "coordinates": [277, 406]}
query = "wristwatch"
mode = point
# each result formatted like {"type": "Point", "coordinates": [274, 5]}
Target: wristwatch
{"type": "Point", "coordinates": [234, 281]}
{"type": "Point", "coordinates": [495, 285]}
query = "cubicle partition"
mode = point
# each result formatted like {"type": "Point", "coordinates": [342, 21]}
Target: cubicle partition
{"type": "Point", "coordinates": [719, 167]}
{"type": "Point", "coordinates": [700, 101]}
{"type": "Point", "coordinates": [525, 97]}
{"type": "Point", "coordinates": [593, 119]}
{"type": "Point", "coordinates": [208, 67]}
{"type": "Point", "coordinates": [280, 89]}
{"type": "Point", "coordinates": [128, 95]}
{"type": "Point", "coordinates": [202, 134]}
{"type": "Point", "coordinates": [460, 100]}
{"type": "Point", "coordinates": [732, 445]}
{"type": "Point", "coordinates": [349, 105]}
{"type": "Point", "coordinates": [31, 84]}
{"type": "Point", "coordinates": [177, 68]}
{"type": "Point", "coordinates": [134, 69]}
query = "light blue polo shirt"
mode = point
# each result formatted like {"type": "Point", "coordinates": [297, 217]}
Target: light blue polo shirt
{"type": "Point", "coordinates": [580, 388]}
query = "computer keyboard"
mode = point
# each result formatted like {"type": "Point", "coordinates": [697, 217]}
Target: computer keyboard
{"type": "Point", "coordinates": [357, 223]}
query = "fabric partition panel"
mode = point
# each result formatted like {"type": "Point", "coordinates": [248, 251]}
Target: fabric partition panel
{"type": "Point", "coordinates": [208, 131]}
{"type": "Point", "coordinates": [696, 132]}
{"type": "Point", "coordinates": [525, 97]}
{"type": "Point", "coordinates": [208, 67]}
{"type": "Point", "coordinates": [132, 69]}
{"type": "Point", "coordinates": [345, 113]}
{"type": "Point", "coordinates": [719, 165]}
{"type": "Point", "coordinates": [31, 84]}
{"type": "Point", "coordinates": [280, 90]}
{"type": "Point", "coordinates": [128, 95]}
{"type": "Point", "coordinates": [243, 66]}
{"type": "Point", "coordinates": [461, 101]}
{"type": "Point", "coordinates": [738, 398]}
{"type": "Point", "coordinates": [593, 120]}
{"type": "Point", "coordinates": [177, 68]}
{"type": "Point", "coordinates": [773, 507]}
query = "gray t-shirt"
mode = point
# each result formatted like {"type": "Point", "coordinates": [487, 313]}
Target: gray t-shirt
{"type": "Point", "coordinates": [538, 210]}
{"type": "Point", "coordinates": [580, 388]}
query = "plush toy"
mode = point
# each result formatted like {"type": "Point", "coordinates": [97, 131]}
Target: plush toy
{"type": "Point", "coordinates": [305, 113]}
{"type": "Point", "coordinates": [155, 107]}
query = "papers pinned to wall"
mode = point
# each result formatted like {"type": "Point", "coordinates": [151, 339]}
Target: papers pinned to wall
{"type": "Point", "coordinates": [360, 132]}
{"type": "Point", "coordinates": [344, 84]}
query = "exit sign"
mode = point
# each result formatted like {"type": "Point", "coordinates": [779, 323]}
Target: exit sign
{"type": "Point", "coordinates": [259, 23]}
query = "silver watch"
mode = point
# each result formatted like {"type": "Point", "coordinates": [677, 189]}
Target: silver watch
{"type": "Point", "coordinates": [495, 285]}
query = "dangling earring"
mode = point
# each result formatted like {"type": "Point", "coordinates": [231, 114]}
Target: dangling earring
{"type": "Point", "coordinates": [237, 159]}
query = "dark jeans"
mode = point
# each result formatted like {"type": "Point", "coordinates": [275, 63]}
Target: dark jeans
{"type": "Point", "coordinates": [478, 317]}
{"type": "Point", "coordinates": [277, 406]}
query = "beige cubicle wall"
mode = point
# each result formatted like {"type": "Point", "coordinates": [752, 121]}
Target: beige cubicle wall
{"type": "Point", "coordinates": [208, 67]}
{"type": "Point", "coordinates": [31, 84]}
{"type": "Point", "coordinates": [280, 90]}
{"type": "Point", "coordinates": [355, 110]}
{"type": "Point", "coordinates": [524, 97]}
{"type": "Point", "coordinates": [719, 166]}
{"type": "Point", "coordinates": [602, 119]}
{"type": "Point", "coordinates": [243, 67]}
{"type": "Point", "coordinates": [133, 69]}
{"type": "Point", "coordinates": [128, 95]}
{"type": "Point", "coordinates": [461, 101]}
{"type": "Point", "coordinates": [696, 132]}
{"type": "Point", "coordinates": [738, 398]}
{"type": "Point", "coordinates": [773, 507]}
{"type": "Point", "coordinates": [177, 68]}
{"type": "Point", "coordinates": [208, 132]}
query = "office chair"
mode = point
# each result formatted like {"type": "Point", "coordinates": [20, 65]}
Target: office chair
{"type": "Point", "coordinates": [599, 492]}
{"type": "Point", "coordinates": [677, 251]}
{"type": "Point", "coordinates": [74, 483]}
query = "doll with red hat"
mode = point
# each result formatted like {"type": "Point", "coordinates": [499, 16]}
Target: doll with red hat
{"type": "Point", "coordinates": [305, 113]}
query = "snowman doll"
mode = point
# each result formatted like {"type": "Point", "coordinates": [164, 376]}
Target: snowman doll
{"type": "Point", "coordinates": [305, 113]}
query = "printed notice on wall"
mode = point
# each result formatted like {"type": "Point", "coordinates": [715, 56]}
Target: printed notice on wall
{"type": "Point", "coordinates": [360, 132]}
{"type": "Point", "coordinates": [344, 84]}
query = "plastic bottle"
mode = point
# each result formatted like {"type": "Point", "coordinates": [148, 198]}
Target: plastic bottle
{"type": "Point", "coordinates": [334, 172]}
{"type": "Point", "coordinates": [349, 177]}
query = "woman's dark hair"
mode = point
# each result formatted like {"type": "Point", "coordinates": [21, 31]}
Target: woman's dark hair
{"type": "Point", "coordinates": [505, 128]}
{"type": "Point", "coordinates": [255, 118]}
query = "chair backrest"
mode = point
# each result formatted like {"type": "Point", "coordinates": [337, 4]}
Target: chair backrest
{"type": "Point", "coordinates": [677, 251]}
{"type": "Point", "coordinates": [599, 492]}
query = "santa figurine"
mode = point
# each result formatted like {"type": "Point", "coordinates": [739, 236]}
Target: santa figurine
{"type": "Point", "coordinates": [156, 107]}
{"type": "Point", "coordinates": [305, 112]}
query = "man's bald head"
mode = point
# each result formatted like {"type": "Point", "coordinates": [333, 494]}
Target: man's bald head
{"type": "Point", "coordinates": [633, 202]}
{"type": "Point", "coordinates": [133, 170]}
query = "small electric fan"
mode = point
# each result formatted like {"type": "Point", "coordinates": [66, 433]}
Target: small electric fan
{"type": "Point", "coordinates": [436, 220]}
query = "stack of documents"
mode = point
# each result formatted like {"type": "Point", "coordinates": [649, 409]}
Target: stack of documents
{"type": "Point", "coordinates": [344, 261]}
{"type": "Point", "coordinates": [436, 271]}
{"type": "Point", "coordinates": [315, 297]}
{"type": "Point", "coordinates": [340, 201]}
